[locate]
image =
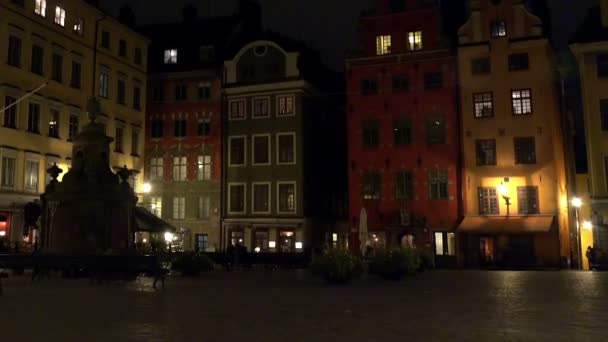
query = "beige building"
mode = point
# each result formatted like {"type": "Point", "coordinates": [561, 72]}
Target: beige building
{"type": "Point", "coordinates": [48, 70]}
{"type": "Point", "coordinates": [514, 186]}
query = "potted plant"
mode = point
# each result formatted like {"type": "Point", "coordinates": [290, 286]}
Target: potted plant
{"type": "Point", "coordinates": [337, 266]}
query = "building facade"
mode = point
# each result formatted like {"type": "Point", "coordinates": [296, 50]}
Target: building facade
{"type": "Point", "coordinates": [55, 56]}
{"type": "Point", "coordinates": [403, 130]}
{"type": "Point", "coordinates": [282, 177]}
{"type": "Point", "coordinates": [514, 182]}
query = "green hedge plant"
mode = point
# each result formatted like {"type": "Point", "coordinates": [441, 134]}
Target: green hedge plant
{"type": "Point", "coordinates": [394, 264]}
{"type": "Point", "coordinates": [337, 266]}
{"type": "Point", "coordinates": [192, 264]}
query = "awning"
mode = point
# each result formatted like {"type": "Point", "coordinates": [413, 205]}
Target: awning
{"type": "Point", "coordinates": [506, 225]}
{"type": "Point", "coordinates": [148, 222]}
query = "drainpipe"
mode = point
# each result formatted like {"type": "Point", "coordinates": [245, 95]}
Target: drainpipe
{"type": "Point", "coordinates": [223, 169]}
{"type": "Point", "coordinates": [93, 81]}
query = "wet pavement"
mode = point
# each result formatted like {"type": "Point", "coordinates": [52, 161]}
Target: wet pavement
{"type": "Point", "coordinates": [292, 306]}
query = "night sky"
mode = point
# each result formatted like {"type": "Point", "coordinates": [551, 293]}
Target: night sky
{"type": "Point", "coordinates": [327, 25]}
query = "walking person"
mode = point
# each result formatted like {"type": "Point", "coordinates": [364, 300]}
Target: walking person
{"type": "Point", "coordinates": [590, 254]}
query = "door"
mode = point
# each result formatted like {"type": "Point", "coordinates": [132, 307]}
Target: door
{"type": "Point", "coordinates": [486, 251]}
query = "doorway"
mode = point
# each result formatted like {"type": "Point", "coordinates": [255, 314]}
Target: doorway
{"type": "Point", "coordinates": [486, 251]}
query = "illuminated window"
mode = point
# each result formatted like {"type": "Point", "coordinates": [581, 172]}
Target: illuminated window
{"type": "Point", "coordinates": [59, 16]}
{"type": "Point", "coordinates": [104, 80]}
{"type": "Point", "coordinates": [156, 206]}
{"type": "Point", "coordinates": [414, 41]}
{"type": "Point", "coordinates": [445, 243]}
{"type": "Point", "coordinates": [383, 45]}
{"type": "Point", "coordinates": [31, 175]}
{"type": "Point", "coordinates": [79, 26]}
{"type": "Point", "coordinates": [179, 169]}
{"type": "Point", "coordinates": [54, 123]}
{"type": "Point", "coordinates": [488, 201]}
{"type": "Point", "coordinates": [522, 101]}
{"type": "Point", "coordinates": [483, 105]}
{"type": "Point", "coordinates": [498, 28]}
{"type": "Point", "coordinates": [40, 8]}
{"type": "Point", "coordinates": [179, 208]}
{"type": "Point", "coordinates": [203, 167]}
{"type": "Point", "coordinates": [8, 172]}
{"type": "Point", "coordinates": [286, 105]}
{"type": "Point", "coordinates": [171, 56]}
{"type": "Point", "coordinates": [156, 169]}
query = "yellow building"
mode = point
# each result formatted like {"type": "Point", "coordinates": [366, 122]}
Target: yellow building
{"type": "Point", "coordinates": [590, 47]}
{"type": "Point", "coordinates": [514, 179]}
{"type": "Point", "coordinates": [48, 70]}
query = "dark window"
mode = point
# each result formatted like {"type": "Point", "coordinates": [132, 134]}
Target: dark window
{"type": "Point", "coordinates": [488, 201]}
{"type": "Point", "coordinates": [404, 185]}
{"type": "Point", "coordinates": [33, 118]}
{"type": "Point", "coordinates": [122, 48]}
{"type": "Point", "coordinates": [481, 66]}
{"type": "Point", "coordinates": [604, 114]}
{"type": "Point", "coordinates": [518, 61]}
{"type": "Point", "coordinates": [237, 151]}
{"type": "Point", "coordinates": [121, 92]}
{"type": "Point", "coordinates": [179, 128]}
{"type": "Point", "coordinates": [433, 80]}
{"type": "Point", "coordinates": [261, 149]}
{"type": "Point", "coordinates": [20, 3]}
{"type": "Point", "coordinates": [527, 200]}
{"type": "Point", "coordinates": [158, 94]}
{"type": "Point", "coordinates": [260, 240]}
{"type": "Point", "coordinates": [401, 83]}
{"type": "Point", "coordinates": [261, 198]}
{"type": "Point", "coordinates": [10, 114]}
{"type": "Point", "coordinates": [237, 198]}
{"type": "Point", "coordinates": [134, 143]}
{"type": "Point", "coordinates": [206, 53]}
{"type": "Point", "coordinates": [438, 185]}
{"type": "Point", "coordinates": [485, 152]}
{"type": "Point", "coordinates": [57, 71]}
{"type": "Point", "coordinates": [37, 59]}
{"type": "Point", "coordinates": [287, 197]}
{"type": "Point", "coordinates": [204, 128]}
{"type": "Point", "coordinates": [76, 79]}
{"type": "Point", "coordinates": [137, 98]}
{"type": "Point", "coordinates": [371, 186]}
{"type": "Point", "coordinates": [204, 91]}
{"type": "Point", "coordinates": [370, 133]}
{"type": "Point", "coordinates": [73, 126]}
{"type": "Point", "coordinates": [54, 117]}
{"type": "Point", "coordinates": [202, 242]}
{"type": "Point", "coordinates": [435, 131]}
{"type": "Point", "coordinates": [521, 100]}
{"type": "Point", "coordinates": [14, 51]}
{"type": "Point", "coordinates": [138, 56]}
{"type": "Point", "coordinates": [157, 128]}
{"type": "Point", "coordinates": [498, 28]}
{"type": "Point", "coordinates": [287, 148]}
{"type": "Point", "coordinates": [105, 39]}
{"type": "Point", "coordinates": [180, 92]}
{"type": "Point", "coordinates": [602, 65]}
{"type": "Point", "coordinates": [397, 6]}
{"type": "Point", "coordinates": [261, 108]}
{"type": "Point", "coordinates": [119, 139]}
{"type": "Point", "coordinates": [483, 104]}
{"type": "Point", "coordinates": [369, 87]}
{"type": "Point", "coordinates": [104, 84]}
{"type": "Point", "coordinates": [402, 131]}
{"type": "Point", "coordinates": [237, 109]}
{"type": "Point", "coordinates": [525, 150]}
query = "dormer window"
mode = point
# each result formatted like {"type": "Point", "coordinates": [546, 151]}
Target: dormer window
{"type": "Point", "coordinates": [171, 56]}
{"type": "Point", "coordinates": [498, 28]}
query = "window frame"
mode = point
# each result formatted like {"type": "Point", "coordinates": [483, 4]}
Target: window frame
{"type": "Point", "coordinates": [519, 159]}
{"type": "Point", "coordinates": [487, 197]}
{"type": "Point", "coordinates": [156, 168]}
{"type": "Point", "coordinates": [261, 99]}
{"type": "Point", "coordinates": [204, 169]}
{"type": "Point", "coordinates": [436, 121]}
{"type": "Point", "coordinates": [515, 57]}
{"type": "Point", "coordinates": [170, 56]}
{"type": "Point", "coordinates": [278, 148]}
{"type": "Point", "coordinates": [202, 200]}
{"type": "Point", "coordinates": [521, 99]}
{"type": "Point", "coordinates": [241, 104]}
{"type": "Point", "coordinates": [269, 193]}
{"type": "Point", "coordinates": [253, 154]}
{"type": "Point", "coordinates": [295, 197]}
{"type": "Point", "coordinates": [520, 206]}
{"type": "Point", "coordinates": [54, 129]}
{"type": "Point", "coordinates": [414, 41]}
{"type": "Point", "coordinates": [10, 175]}
{"type": "Point", "coordinates": [230, 161]}
{"type": "Point", "coordinates": [293, 105]}
{"type": "Point", "coordinates": [119, 142]}
{"type": "Point", "coordinates": [230, 186]}
{"type": "Point", "coordinates": [59, 16]}
{"type": "Point", "coordinates": [10, 116]}
{"type": "Point", "coordinates": [40, 8]}
{"type": "Point", "coordinates": [104, 84]}
{"type": "Point", "coordinates": [479, 150]}
{"type": "Point", "coordinates": [375, 194]}
{"type": "Point", "coordinates": [483, 101]}
{"type": "Point", "coordinates": [498, 28]}
{"type": "Point", "coordinates": [29, 128]}
{"type": "Point", "coordinates": [428, 85]}
{"type": "Point", "coordinates": [14, 50]}
{"type": "Point", "coordinates": [369, 127]}
{"type": "Point", "coordinates": [476, 64]}
{"type": "Point", "coordinates": [182, 168]}
{"type": "Point", "coordinates": [408, 185]}
{"type": "Point", "coordinates": [438, 183]}
{"type": "Point", "coordinates": [399, 125]}
{"type": "Point", "coordinates": [383, 44]}
{"type": "Point", "coordinates": [181, 209]}
{"type": "Point", "coordinates": [27, 184]}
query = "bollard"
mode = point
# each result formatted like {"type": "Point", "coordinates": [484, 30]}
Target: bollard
{"type": "Point", "coordinates": [0, 284]}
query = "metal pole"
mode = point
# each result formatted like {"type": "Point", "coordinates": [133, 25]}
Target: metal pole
{"type": "Point", "coordinates": [23, 97]}
{"type": "Point", "coordinates": [578, 240]}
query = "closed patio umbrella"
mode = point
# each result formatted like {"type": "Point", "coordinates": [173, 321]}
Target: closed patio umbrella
{"type": "Point", "coordinates": [363, 230]}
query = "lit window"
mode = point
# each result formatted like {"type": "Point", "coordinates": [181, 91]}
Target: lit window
{"type": "Point", "coordinates": [498, 28]}
{"type": "Point", "coordinates": [156, 206]}
{"type": "Point", "coordinates": [54, 123]}
{"type": "Point", "coordinates": [445, 243]}
{"type": "Point", "coordinates": [383, 45]}
{"type": "Point", "coordinates": [31, 175]}
{"type": "Point", "coordinates": [40, 8]}
{"type": "Point", "coordinates": [179, 169]}
{"type": "Point", "coordinates": [203, 169]}
{"type": "Point", "coordinates": [414, 41]}
{"type": "Point", "coordinates": [171, 56]}
{"type": "Point", "coordinates": [522, 101]}
{"type": "Point", "coordinates": [179, 208]}
{"type": "Point", "coordinates": [286, 105]}
{"type": "Point", "coordinates": [483, 104]}
{"type": "Point", "coordinates": [79, 26]}
{"type": "Point", "coordinates": [59, 16]}
{"type": "Point", "coordinates": [156, 169]}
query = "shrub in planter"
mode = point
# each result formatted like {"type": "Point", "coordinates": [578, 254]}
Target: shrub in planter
{"type": "Point", "coordinates": [427, 259]}
{"type": "Point", "coordinates": [395, 263]}
{"type": "Point", "coordinates": [337, 266]}
{"type": "Point", "coordinates": [192, 264]}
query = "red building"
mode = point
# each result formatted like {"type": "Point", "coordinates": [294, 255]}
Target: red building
{"type": "Point", "coordinates": [403, 129]}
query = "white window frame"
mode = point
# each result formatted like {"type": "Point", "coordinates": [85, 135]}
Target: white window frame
{"type": "Point", "coordinates": [253, 137]}
{"type": "Point", "coordinates": [183, 176]}
{"type": "Point", "coordinates": [269, 184]}
{"type": "Point", "coordinates": [31, 159]}
{"type": "Point", "coordinates": [154, 165]}
{"type": "Point", "coordinates": [170, 56]}
{"type": "Point", "coordinates": [414, 41]}
{"type": "Point", "coordinates": [40, 8]}
{"type": "Point", "coordinates": [15, 107]}
{"type": "Point", "coordinates": [383, 44]}
{"type": "Point", "coordinates": [257, 98]}
{"type": "Point", "coordinates": [234, 137]}
{"type": "Point", "coordinates": [201, 166]}
{"type": "Point", "coordinates": [8, 153]}
{"type": "Point", "coordinates": [244, 102]}
{"type": "Point", "coordinates": [156, 205]}
{"type": "Point", "coordinates": [293, 102]}
{"type": "Point", "coordinates": [201, 205]}
{"type": "Point", "coordinates": [60, 16]}
{"type": "Point", "coordinates": [181, 209]}
{"type": "Point", "coordinates": [295, 197]}
{"type": "Point", "coordinates": [295, 149]}
{"type": "Point", "coordinates": [244, 185]}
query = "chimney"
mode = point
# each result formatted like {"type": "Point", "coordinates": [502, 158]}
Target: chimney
{"type": "Point", "coordinates": [190, 13]}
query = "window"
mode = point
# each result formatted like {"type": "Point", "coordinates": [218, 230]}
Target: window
{"type": "Point", "coordinates": [204, 128]}
{"type": "Point", "coordinates": [104, 81]}
{"type": "Point", "coordinates": [488, 201]}
{"type": "Point", "coordinates": [602, 65]}
{"type": "Point", "coordinates": [237, 109]}
{"type": "Point", "coordinates": [122, 48]}
{"type": "Point", "coordinates": [10, 114]}
{"type": "Point", "coordinates": [483, 104]}
{"type": "Point", "coordinates": [120, 89]}
{"type": "Point", "coordinates": [79, 26]}
{"type": "Point", "coordinates": [404, 185]}
{"type": "Point", "coordinates": [261, 198]}
{"type": "Point", "coordinates": [179, 169]}
{"type": "Point", "coordinates": [521, 100]}
{"type": "Point", "coordinates": [158, 94]}
{"type": "Point", "coordinates": [438, 185]}
{"type": "Point", "coordinates": [414, 41]}
{"type": "Point", "coordinates": [237, 147]}
{"type": "Point", "coordinates": [57, 71]}
{"type": "Point", "coordinates": [433, 80]}
{"type": "Point", "coordinates": [157, 128]}
{"type": "Point", "coordinates": [179, 208]}
{"type": "Point", "coordinates": [287, 197]}
{"type": "Point", "coordinates": [181, 92]}
{"type": "Point", "coordinates": [8, 172]}
{"type": "Point", "coordinates": [481, 66]}
{"type": "Point", "coordinates": [435, 131]}
{"type": "Point", "coordinates": [14, 51]}
{"type": "Point", "coordinates": [371, 186]}
{"type": "Point", "coordinates": [20, 3]}
{"type": "Point", "coordinates": [260, 241]}
{"type": "Point", "coordinates": [171, 56]}
{"type": "Point", "coordinates": [74, 125]}
{"type": "Point", "coordinates": [156, 169]}
{"type": "Point", "coordinates": [370, 133]}
{"type": "Point", "coordinates": [204, 207]}
{"type": "Point", "coordinates": [203, 167]}
{"type": "Point", "coordinates": [204, 91]}
{"type": "Point", "coordinates": [37, 59]}
{"type": "Point", "coordinates": [286, 105]}
{"type": "Point", "coordinates": [76, 79]}
{"type": "Point", "coordinates": [445, 243]}
{"type": "Point", "coordinates": [236, 198]}
{"type": "Point", "coordinates": [402, 132]}
{"type": "Point", "coordinates": [59, 16]}
{"type": "Point", "coordinates": [369, 87]}
{"type": "Point", "coordinates": [485, 152]}
{"type": "Point", "coordinates": [498, 28]}
{"type": "Point", "coordinates": [33, 118]}
{"type": "Point", "coordinates": [54, 116]}
{"type": "Point", "coordinates": [261, 149]}
{"type": "Point", "coordinates": [179, 128]}
{"type": "Point", "coordinates": [261, 108]}
{"type": "Point", "coordinates": [137, 98]}
{"type": "Point", "coordinates": [105, 39]}
{"type": "Point", "coordinates": [202, 242]}
{"type": "Point", "coordinates": [138, 56]}
{"type": "Point", "coordinates": [134, 142]}
{"type": "Point", "coordinates": [527, 200]}
{"type": "Point", "coordinates": [286, 241]}
{"type": "Point", "coordinates": [31, 175]}
{"type": "Point", "coordinates": [237, 237]}
{"type": "Point", "coordinates": [40, 8]}
{"type": "Point", "coordinates": [156, 206]}
{"type": "Point", "coordinates": [401, 83]}
{"type": "Point", "coordinates": [525, 150]}
{"type": "Point", "coordinates": [518, 61]}
{"type": "Point", "coordinates": [286, 148]}
{"type": "Point", "coordinates": [604, 114]}
{"type": "Point", "coordinates": [118, 142]}
{"type": "Point", "coordinates": [383, 45]}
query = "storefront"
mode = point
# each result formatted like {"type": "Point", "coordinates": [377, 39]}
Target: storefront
{"type": "Point", "coordinates": [265, 238]}
{"type": "Point", "coordinates": [4, 225]}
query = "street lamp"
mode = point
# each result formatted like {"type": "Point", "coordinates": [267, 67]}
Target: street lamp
{"type": "Point", "coordinates": [587, 225]}
{"type": "Point", "coordinates": [577, 202]}
{"type": "Point", "coordinates": [147, 188]}
{"type": "Point", "coordinates": [504, 192]}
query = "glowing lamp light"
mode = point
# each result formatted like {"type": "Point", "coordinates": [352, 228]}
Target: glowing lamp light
{"type": "Point", "coordinates": [257, 249]}
{"type": "Point", "coordinates": [502, 189]}
{"type": "Point", "coordinates": [2, 233]}
{"type": "Point", "coordinates": [169, 236]}
{"type": "Point", "coordinates": [587, 225]}
{"type": "Point", "coordinates": [299, 245]}
{"type": "Point", "coordinates": [272, 244]}
{"type": "Point", "coordinates": [577, 202]}
{"type": "Point", "coordinates": [145, 240]}
{"type": "Point", "coordinates": [147, 188]}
